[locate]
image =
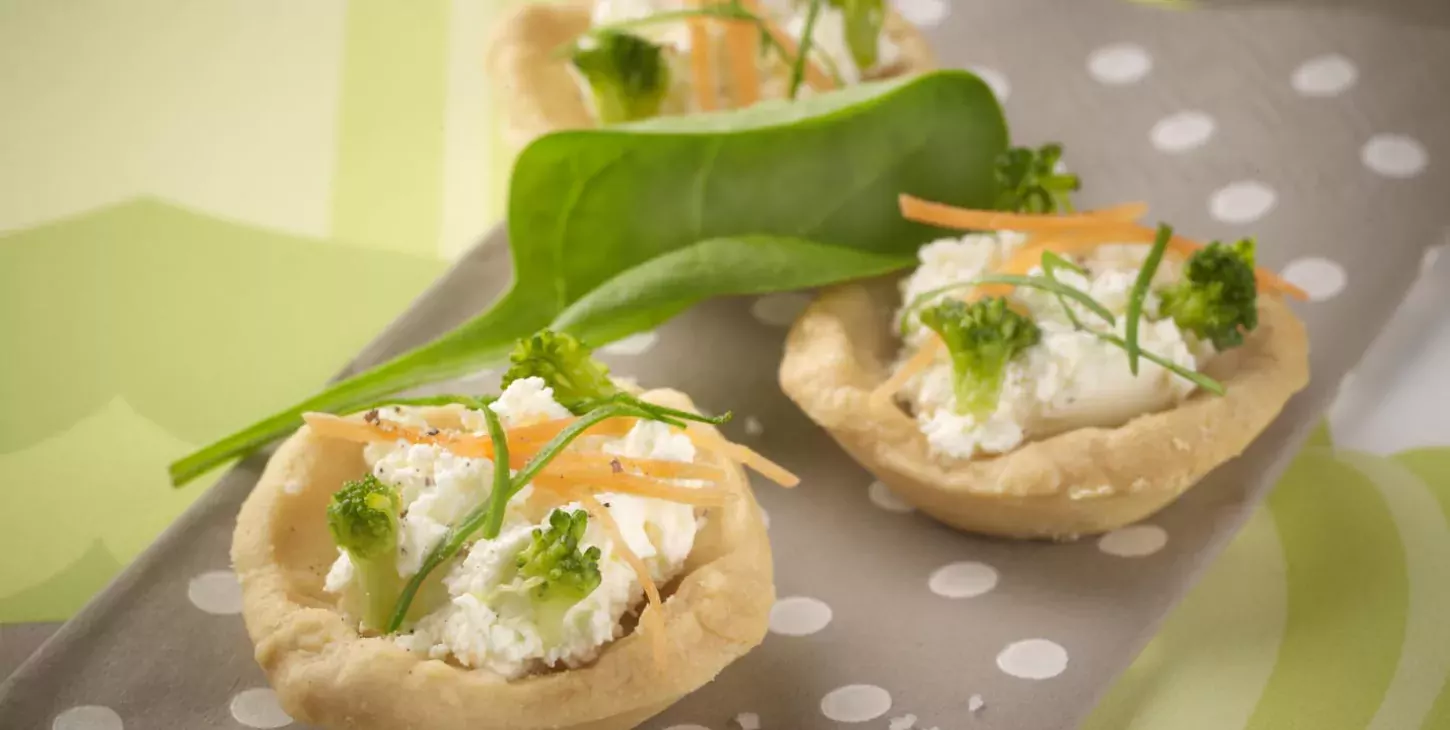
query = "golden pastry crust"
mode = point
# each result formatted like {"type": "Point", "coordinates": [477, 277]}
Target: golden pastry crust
{"type": "Point", "coordinates": [541, 95]}
{"type": "Point", "coordinates": [326, 674]}
{"type": "Point", "coordinates": [1082, 482]}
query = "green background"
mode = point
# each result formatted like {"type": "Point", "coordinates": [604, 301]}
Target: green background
{"type": "Point", "coordinates": [205, 209]}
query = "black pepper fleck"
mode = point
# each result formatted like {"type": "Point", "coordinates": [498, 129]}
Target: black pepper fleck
{"type": "Point", "coordinates": [371, 416]}
{"type": "Point", "coordinates": [616, 466]}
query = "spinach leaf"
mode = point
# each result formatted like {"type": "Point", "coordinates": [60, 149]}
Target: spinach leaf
{"type": "Point", "coordinates": [650, 294]}
{"type": "Point", "coordinates": [586, 206]}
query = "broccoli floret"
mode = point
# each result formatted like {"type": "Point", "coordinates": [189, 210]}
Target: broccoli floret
{"type": "Point", "coordinates": [558, 572]}
{"type": "Point", "coordinates": [1028, 181]}
{"type": "Point", "coordinates": [363, 519]}
{"type": "Point", "coordinates": [982, 337]}
{"type": "Point", "coordinates": [863, 21]}
{"type": "Point", "coordinates": [579, 381]}
{"type": "Point", "coordinates": [1217, 298]}
{"type": "Point", "coordinates": [627, 74]}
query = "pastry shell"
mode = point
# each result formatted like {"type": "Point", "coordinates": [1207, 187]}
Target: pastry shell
{"type": "Point", "coordinates": [541, 96]}
{"type": "Point", "coordinates": [326, 674]}
{"type": "Point", "coordinates": [1081, 482]}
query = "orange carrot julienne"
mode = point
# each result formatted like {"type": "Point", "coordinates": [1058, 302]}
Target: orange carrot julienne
{"type": "Point", "coordinates": [1125, 212]}
{"type": "Point", "coordinates": [630, 484]}
{"type": "Point", "coordinates": [654, 616]}
{"type": "Point", "coordinates": [702, 82]}
{"type": "Point", "coordinates": [654, 468]}
{"type": "Point", "coordinates": [743, 48]}
{"type": "Point", "coordinates": [1085, 230]}
{"type": "Point", "coordinates": [919, 361]}
{"type": "Point", "coordinates": [711, 441]}
{"type": "Point", "coordinates": [967, 219]}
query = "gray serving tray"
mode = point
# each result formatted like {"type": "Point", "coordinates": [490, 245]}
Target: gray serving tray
{"type": "Point", "coordinates": [143, 650]}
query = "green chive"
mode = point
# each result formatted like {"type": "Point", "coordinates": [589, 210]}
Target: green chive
{"type": "Point", "coordinates": [1140, 292]}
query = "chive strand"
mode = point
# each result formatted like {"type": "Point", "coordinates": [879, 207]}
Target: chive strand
{"type": "Point", "coordinates": [498, 498]}
{"type": "Point", "coordinates": [798, 69]}
{"type": "Point", "coordinates": [1140, 292]}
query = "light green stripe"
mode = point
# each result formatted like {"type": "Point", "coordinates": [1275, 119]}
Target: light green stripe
{"type": "Point", "coordinates": [1225, 636]}
{"type": "Point", "coordinates": [1348, 598]}
{"type": "Point", "coordinates": [388, 185]}
{"type": "Point", "coordinates": [1425, 659]}
{"type": "Point", "coordinates": [1432, 466]}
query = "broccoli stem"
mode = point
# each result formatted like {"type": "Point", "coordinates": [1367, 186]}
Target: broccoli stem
{"type": "Point", "coordinates": [380, 583]}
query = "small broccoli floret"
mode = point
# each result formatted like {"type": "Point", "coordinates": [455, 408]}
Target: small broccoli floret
{"type": "Point", "coordinates": [627, 74]}
{"type": "Point", "coordinates": [363, 519]}
{"type": "Point", "coordinates": [982, 337]}
{"type": "Point", "coordinates": [863, 22]}
{"type": "Point", "coordinates": [579, 381]}
{"type": "Point", "coordinates": [1028, 181]}
{"type": "Point", "coordinates": [558, 572]}
{"type": "Point", "coordinates": [1217, 298]}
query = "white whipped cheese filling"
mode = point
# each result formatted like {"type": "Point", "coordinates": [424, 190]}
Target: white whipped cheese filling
{"type": "Point", "coordinates": [488, 619]}
{"type": "Point", "coordinates": [1070, 379]}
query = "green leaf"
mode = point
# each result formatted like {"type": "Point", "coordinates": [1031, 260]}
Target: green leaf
{"type": "Point", "coordinates": [588, 205]}
{"type": "Point", "coordinates": [653, 292]}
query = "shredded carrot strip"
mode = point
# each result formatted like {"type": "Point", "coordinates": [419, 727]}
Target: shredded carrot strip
{"type": "Point", "coordinates": [631, 484]}
{"type": "Point", "coordinates": [350, 429]}
{"type": "Point", "coordinates": [815, 76]}
{"type": "Point", "coordinates": [711, 441]}
{"type": "Point", "coordinates": [462, 444]}
{"type": "Point", "coordinates": [743, 47]}
{"type": "Point", "coordinates": [1125, 212]}
{"type": "Point", "coordinates": [541, 432]}
{"type": "Point", "coordinates": [921, 360]}
{"type": "Point", "coordinates": [655, 614]}
{"type": "Point", "coordinates": [967, 219]}
{"type": "Point", "coordinates": [656, 468]}
{"type": "Point", "coordinates": [702, 82]}
{"type": "Point", "coordinates": [1064, 233]}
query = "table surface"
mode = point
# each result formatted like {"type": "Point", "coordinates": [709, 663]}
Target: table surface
{"type": "Point", "coordinates": [308, 151]}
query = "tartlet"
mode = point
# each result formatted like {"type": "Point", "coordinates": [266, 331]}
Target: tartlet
{"type": "Point", "coordinates": [1081, 482]}
{"type": "Point", "coordinates": [325, 672]}
{"type": "Point", "coordinates": [542, 96]}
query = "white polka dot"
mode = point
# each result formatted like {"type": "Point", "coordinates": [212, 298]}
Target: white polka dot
{"type": "Point", "coordinates": [1432, 254]}
{"type": "Point", "coordinates": [799, 616]}
{"type": "Point", "coordinates": [747, 721]}
{"type": "Point", "coordinates": [780, 310]}
{"type": "Point", "coordinates": [856, 703]}
{"type": "Point", "coordinates": [258, 708]}
{"type": "Point", "coordinates": [923, 12]}
{"type": "Point", "coordinates": [1242, 202]}
{"type": "Point", "coordinates": [882, 496]}
{"type": "Point", "coordinates": [690, 726]}
{"type": "Point", "coordinates": [1182, 131]}
{"type": "Point", "coordinates": [216, 592]}
{"type": "Point", "coordinates": [635, 344]}
{"type": "Point", "coordinates": [975, 703]}
{"type": "Point", "coordinates": [1122, 63]}
{"type": "Point", "coordinates": [1134, 541]}
{"type": "Point", "coordinates": [1327, 75]}
{"type": "Point", "coordinates": [963, 580]}
{"type": "Point", "coordinates": [88, 717]}
{"type": "Point", "coordinates": [1033, 659]}
{"type": "Point", "coordinates": [1320, 277]}
{"type": "Point", "coordinates": [995, 80]}
{"type": "Point", "coordinates": [753, 426]}
{"type": "Point", "coordinates": [1394, 155]}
